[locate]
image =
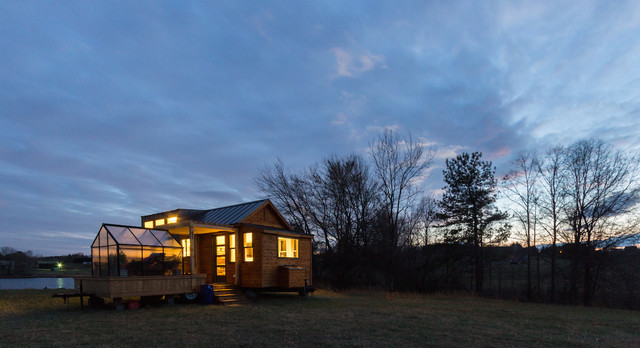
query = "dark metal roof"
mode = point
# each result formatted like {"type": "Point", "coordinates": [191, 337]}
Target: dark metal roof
{"type": "Point", "coordinates": [232, 214]}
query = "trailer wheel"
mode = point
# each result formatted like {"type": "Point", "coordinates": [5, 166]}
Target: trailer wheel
{"type": "Point", "coordinates": [191, 296]}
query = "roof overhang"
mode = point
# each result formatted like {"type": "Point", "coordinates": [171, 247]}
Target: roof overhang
{"type": "Point", "coordinates": [198, 228]}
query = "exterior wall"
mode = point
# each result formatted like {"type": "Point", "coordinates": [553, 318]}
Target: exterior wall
{"type": "Point", "coordinates": [204, 255]}
{"type": "Point", "coordinates": [271, 272]}
{"type": "Point", "coordinates": [266, 216]}
{"type": "Point", "coordinates": [251, 272]}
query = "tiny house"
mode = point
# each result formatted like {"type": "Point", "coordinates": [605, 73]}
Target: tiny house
{"type": "Point", "coordinates": [249, 245]}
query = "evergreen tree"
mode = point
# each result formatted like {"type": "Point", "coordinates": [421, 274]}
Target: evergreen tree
{"type": "Point", "coordinates": [468, 206]}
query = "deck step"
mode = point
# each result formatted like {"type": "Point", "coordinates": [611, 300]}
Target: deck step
{"type": "Point", "coordinates": [229, 295]}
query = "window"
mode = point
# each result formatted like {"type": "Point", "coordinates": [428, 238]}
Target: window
{"type": "Point", "coordinates": [221, 269]}
{"type": "Point", "coordinates": [287, 247]}
{"type": "Point", "coordinates": [186, 247]}
{"type": "Point", "coordinates": [159, 222]}
{"type": "Point", "coordinates": [232, 248]}
{"type": "Point", "coordinates": [248, 247]}
{"type": "Point", "coordinates": [148, 224]}
{"type": "Point", "coordinates": [172, 220]}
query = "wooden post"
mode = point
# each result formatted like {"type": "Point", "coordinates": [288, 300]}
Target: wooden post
{"type": "Point", "coordinates": [192, 238]}
{"type": "Point", "coordinates": [237, 232]}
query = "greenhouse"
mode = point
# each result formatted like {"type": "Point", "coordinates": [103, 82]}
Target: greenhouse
{"type": "Point", "coordinates": [123, 251]}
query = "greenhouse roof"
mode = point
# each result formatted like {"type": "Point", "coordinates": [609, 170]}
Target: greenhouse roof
{"type": "Point", "coordinates": [134, 236]}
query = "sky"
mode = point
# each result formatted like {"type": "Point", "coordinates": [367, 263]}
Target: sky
{"type": "Point", "coordinates": [111, 110]}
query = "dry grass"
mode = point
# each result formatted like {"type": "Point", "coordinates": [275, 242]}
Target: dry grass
{"type": "Point", "coordinates": [33, 318]}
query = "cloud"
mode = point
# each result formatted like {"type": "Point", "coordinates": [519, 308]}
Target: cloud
{"type": "Point", "coordinates": [350, 64]}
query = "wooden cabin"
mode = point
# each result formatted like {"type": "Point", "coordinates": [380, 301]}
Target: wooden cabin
{"type": "Point", "coordinates": [249, 245]}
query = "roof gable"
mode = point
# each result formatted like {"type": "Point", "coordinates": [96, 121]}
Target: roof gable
{"type": "Point", "coordinates": [267, 215]}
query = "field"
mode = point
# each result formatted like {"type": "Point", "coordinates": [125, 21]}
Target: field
{"type": "Point", "coordinates": [33, 318]}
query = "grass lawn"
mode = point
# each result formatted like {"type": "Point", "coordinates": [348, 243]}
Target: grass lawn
{"type": "Point", "coordinates": [33, 318]}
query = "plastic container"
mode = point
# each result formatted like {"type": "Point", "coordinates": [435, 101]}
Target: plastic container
{"type": "Point", "coordinates": [206, 293]}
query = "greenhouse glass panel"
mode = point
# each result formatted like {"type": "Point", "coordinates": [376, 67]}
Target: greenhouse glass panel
{"type": "Point", "coordinates": [103, 237]}
{"type": "Point", "coordinates": [132, 251]}
{"type": "Point", "coordinates": [104, 261]}
{"type": "Point", "coordinates": [113, 260]}
{"type": "Point", "coordinates": [130, 261]}
{"type": "Point", "coordinates": [172, 261]}
{"type": "Point", "coordinates": [165, 238]}
{"type": "Point", "coordinates": [123, 235]}
{"type": "Point", "coordinates": [152, 261]}
{"type": "Point", "coordinates": [145, 237]}
{"type": "Point", "coordinates": [96, 241]}
{"type": "Point", "coordinates": [95, 261]}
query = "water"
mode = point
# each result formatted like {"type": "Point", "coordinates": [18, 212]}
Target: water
{"type": "Point", "coordinates": [36, 283]}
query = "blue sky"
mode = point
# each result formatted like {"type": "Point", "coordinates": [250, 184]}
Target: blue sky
{"type": "Point", "coordinates": [112, 110]}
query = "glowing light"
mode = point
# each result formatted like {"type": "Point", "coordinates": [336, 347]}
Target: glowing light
{"type": "Point", "coordinates": [248, 247]}
{"type": "Point", "coordinates": [148, 224]}
{"type": "Point", "coordinates": [186, 247]}
{"type": "Point", "coordinates": [59, 265]}
{"type": "Point", "coordinates": [159, 222]}
{"type": "Point", "coordinates": [172, 220]}
{"type": "Point", "coordinates": [287, 247]}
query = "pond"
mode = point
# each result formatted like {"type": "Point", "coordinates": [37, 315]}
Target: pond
{"type": "Point", "coordinates": [36, 283]}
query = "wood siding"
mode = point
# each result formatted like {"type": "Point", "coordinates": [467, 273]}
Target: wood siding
{"type": "Point", "coordinates": [251, 272]}
{"type": "Point", "coordinates": [266, 216]}
{"type": "Point", "coordinates": [204, 256]}
{"type": "Point", "coordinates": [118, 287]}
{"type": "Point", "coordinates": [271, 262]}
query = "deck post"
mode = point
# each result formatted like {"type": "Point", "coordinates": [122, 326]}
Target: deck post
{"type": "Point", "coordinates": [193, 249]}
{"type": "Point", "coordinates": [237, 251]}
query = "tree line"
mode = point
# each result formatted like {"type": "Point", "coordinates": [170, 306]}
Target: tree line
{"type": "Point", "coordinates": [376, 226]}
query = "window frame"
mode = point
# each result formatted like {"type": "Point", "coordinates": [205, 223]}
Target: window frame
{"type": "Point", "coordinates": [248, 247]}
{"type": "Point", "coordinates": [293, 243]}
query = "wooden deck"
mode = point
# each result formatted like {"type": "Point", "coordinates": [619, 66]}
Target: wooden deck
{"type": "Point", "coordinates": [119, 287]}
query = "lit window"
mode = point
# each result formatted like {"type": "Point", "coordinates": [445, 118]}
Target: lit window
{"type": "Point", "coordinates": [232, 248]}
{"type": "Point", "coordinates": [287, 247]}
{"type": "Point", "coordinates": [172, 220]}
{"type": "Point", "coordinates": [148, 224]}
{"type": "Point", "coordinates": [186, 247]}
{"type": "Point", "coordinates": [248, 247]}
{"type": "Point", "coordinates": [159, 222]}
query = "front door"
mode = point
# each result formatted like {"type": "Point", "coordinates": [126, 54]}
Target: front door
{"type": "Point", "coordinates": [220, 259]}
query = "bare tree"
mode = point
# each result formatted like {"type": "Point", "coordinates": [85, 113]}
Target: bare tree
{"type": "Point", "coordinates": [521, 189]}
{"type": "Point", "coordinates": [398, 164]}
{"type": "Point", "coordinates": [549, 202]}
{"type": "Point", "coordinates": [601, 187]}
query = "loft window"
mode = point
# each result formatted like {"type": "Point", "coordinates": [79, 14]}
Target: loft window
{"type": "Point", "coordinates": [248, 247]}
{"type": "Point", "coordinates": [172, 220]}
{"type": "Point", "coordinates": [148, 224]}
{"type": "Point", "coordinates": [232, 248]}
{"type": "Point", "coordinates": [186, 247]}
{"type": "Point", "coordinates": [159, 222]}
{"type": "Point", "coordinates": [287, 247]}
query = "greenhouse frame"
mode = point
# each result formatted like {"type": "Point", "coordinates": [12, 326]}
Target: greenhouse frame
{"type": "Point", "coordinates": [123, 251]}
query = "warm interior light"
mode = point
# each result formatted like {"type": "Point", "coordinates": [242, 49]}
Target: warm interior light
{"type": "Point", "coordinates": [287, 247]}
{"type": "Point", "coordinates": [159, 222]}
{"type": "Point", "coordinates": [186, 247]}
{"type": "Point", "coordinates": [172, 220]}
{"type": "Point", "coordinates": [232, 248]}
{"type": "Point", "coordinates": [248, 247]}
{"type": "Point", "coordinates": [148, 224]}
